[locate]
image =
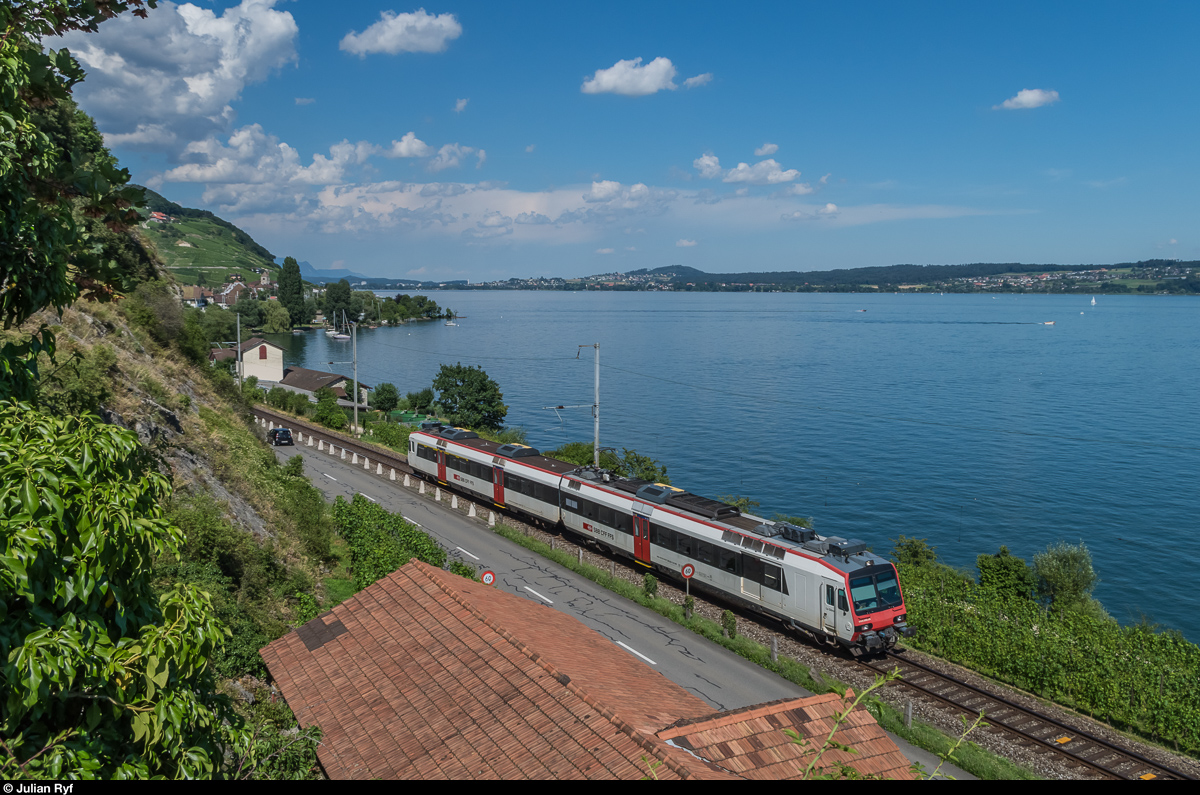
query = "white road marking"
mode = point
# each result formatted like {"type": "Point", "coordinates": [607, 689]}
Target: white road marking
{"type": "Point", "coordinates": [372, 499]}
{"type": "Point", "coordinates": [538, 595]}
{"type": "Point", "coordinates": [411, 521]}
{"type": "Point", "coordinates": [638, 653]}
{"type": "Point", "coordinates": [465, 552]}
{"type": "Point", "coordinates": [331, 477]}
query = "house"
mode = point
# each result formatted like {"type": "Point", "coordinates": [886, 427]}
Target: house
{"type": "Point", "coordinates": [262, 359]}
{"type": "Point", "coordinates": [425, 674]}
{"type": "Point", "coordinates": [304, 380]}
{"type": "Point", "coordinates": [193, 295]}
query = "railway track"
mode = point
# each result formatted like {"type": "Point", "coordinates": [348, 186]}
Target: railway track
{"type": "Point", "coordinates": [1025, 727]}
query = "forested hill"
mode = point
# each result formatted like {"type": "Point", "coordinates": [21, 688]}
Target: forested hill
{"type": "Point", "coordinates": [200, 247]}
{"type": "Point", "coordinates": [885, 275]}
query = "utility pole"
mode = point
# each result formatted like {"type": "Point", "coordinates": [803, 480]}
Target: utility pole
{"type": "Point", "coordinates": [355, 389]}
{"type": "Point", "coordinates": [595, 407]}
{"type": "Point", "coordinates": [239, 351]}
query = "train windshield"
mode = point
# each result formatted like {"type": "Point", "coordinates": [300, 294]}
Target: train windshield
{"type": "Point", "coordinates": [875, 591]}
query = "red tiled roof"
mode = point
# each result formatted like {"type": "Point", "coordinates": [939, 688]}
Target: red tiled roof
{"type": "Point", "coordinates": [750, 742]}
{"type": "Point", "coordinates": [428, 675]}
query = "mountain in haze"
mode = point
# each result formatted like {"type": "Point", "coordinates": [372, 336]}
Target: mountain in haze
{"type": "Point", "coordinates": [311, 274]}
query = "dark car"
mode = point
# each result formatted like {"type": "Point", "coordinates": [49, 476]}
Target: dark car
{"type": "Point", "coordinates": [278, 436]}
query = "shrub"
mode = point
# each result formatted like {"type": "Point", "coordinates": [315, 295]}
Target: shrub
{"type": "Point", "coordinates": [650, 585]}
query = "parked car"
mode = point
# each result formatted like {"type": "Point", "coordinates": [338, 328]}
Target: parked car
{"type": "Point", "coordinates": [279, 436]}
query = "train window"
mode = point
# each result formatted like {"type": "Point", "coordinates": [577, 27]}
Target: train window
{"type": "Point", "coordinates": [730, 561]}
{"type": "Point", "coordinates": [752, 568]}
{"type": "Point", "coordinates": [684, 544]}
{"type": "Point", "coordinates": [624, 523]}
{"type": "Point", "coordinates": [772, 577]}
{"type": "Point", "coordinates": [663, 536]}
{"type": "Point", "coordinates": [842, 601]}
{"type": "Point", "coordinates": [705, 553]}
{"type": "Point", "coordinates": [571, 505]}
{"type": "Point", "coordinates": [829, 595]}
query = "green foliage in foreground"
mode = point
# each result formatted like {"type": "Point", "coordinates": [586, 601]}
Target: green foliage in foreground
{"type": "Point", "coordinates": [970, 757]}
{"type": "Point", "coordinates": [381, 542]}
{"type": "Point", "coordinates": [101, 678]}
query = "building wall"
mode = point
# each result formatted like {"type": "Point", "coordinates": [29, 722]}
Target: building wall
{"type": "Point", "coordinates": [268, 369]}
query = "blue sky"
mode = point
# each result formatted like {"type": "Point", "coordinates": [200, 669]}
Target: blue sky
{"type": "Point", "coordinates": [485, 140]}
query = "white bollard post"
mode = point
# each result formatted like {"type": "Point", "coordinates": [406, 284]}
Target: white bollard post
{"type": "Point", "coordinates": [454, 501]}
{"type": "Point", "coordinates": [343, 453]}
{"type": "Point", "coordinates": [270, 425]}
{"type": "Point", "coordinates": [354, 458]}
{"type": "Point", "coordinates": [321, 445]}
{"type": "Point", "coordinates": [422, 489]}
{"type": "Point", "coordinates": [366, 463]}
{"type": "Point", "coordinates": [299, 436]}
{"type": "Point", "coordinates": [329, 449]}
{"type": "Point", "coordinates": [471, 511]}
{"type": "Point", "coordinates": [393, 475]}
{"type": "Point", "coordinates": [406, 481]}
{"type": "Point", "coordinates": [491, 519]}
{"type": "Point", "coordinates": [437, 494]}
{"type": "Point", "coordinates": [310, 440]}
{"type": "Point", "coordinates": [379, 470]}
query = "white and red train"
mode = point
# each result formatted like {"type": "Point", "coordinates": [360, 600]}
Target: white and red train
{"type": "Point", "coordinates": [828, 587]}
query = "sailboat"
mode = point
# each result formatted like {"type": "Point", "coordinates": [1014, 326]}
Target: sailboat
{"type": "Point", "coordinates": [1093, 300]}
{"type": "Point", "coordinates": [343, 335]}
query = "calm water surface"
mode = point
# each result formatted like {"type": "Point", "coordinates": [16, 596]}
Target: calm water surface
{"type": "Point", "coordinates": [961, 419]}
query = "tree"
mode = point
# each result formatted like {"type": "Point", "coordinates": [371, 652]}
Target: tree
{"type": "Point", "coordinates": [337, 301]}
{"type": "Point", "coordinates": [420, 401]}
{"type": "Point", "coordinates": [1065, 577]}
{"type": "Point", "coordinates": [99, 679]}
{"type": "Point", "coordinates": [1006, 573]}
{"type": "Point", "coordinates": [914, 552]}
{"type": "Point", "coordinates": [291, 290]}
{"type": "Point", "coordinates": [469, 398]}
{"type": "Point", "coordinates": [278, 321]}
{"type": "Point", "coordinates": [386, 397]}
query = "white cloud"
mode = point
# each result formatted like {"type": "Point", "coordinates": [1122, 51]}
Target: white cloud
{"type": "Point", "coordinates": [396, 33]}
{"type": "Point", "coordinates": [461, 105]}
{"type": "Point", "coordinates": [799, 189]}
{"type": "Point", "coordinates": [533, 218]}
{"type": "Point", "coordinates": [604, 251]}
{"type": "Point", "coordinates": [305, 100]}
{"type": "Point", "coordinates": [681, 243]}
{"type": "Point", "coordinates": [482, 155]}
{"type": "Point", "coordinates": [1028, 98]}
{"type": "Point", "coordinates": [632, 79]}
{"type": "Point", "coordinates": [825, 179]}
{"type": "Point", "coordinates": [179, 69]}
{"type": "Point", "coordinates": [494, 224]}
{"type": "Point", "coordinates": [408, 146]}
{"type": "Point", "coordinates": [530, 148]}
{"type": "Point", "coordinates": [154, 135]}
{"type": "Point", "coordinates": [828, 209]}
{"type": "Point", "coordinates": [766, 149]}
{"type": "Point", "coordinates": [698, 80]}
{"type": "Point", "coordinates": [708, 165]}
{"type": "Point", "coordinates": [452, 155]}
{"type": "Point", "coordinates": [765, 172]}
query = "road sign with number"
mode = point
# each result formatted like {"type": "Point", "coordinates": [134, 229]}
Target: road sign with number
{"type": "Point", "coordinates": [488, 577]}
{"type": "Point", "coordinates": [688, 571]}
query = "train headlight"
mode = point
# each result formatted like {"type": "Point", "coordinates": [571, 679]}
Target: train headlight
{"type": "Point", "coordinates": [901, 618]}
{"type": "Point", "coordinates": [863, 627]}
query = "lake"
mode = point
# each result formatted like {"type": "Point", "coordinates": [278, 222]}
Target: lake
{"type": "Point", "coordinates": [962, 419]}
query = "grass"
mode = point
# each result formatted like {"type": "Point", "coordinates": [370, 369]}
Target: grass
{"type": "Point", "coordinates": [211, 250]}
{"type": "Point", "coordinates": [970, 757]}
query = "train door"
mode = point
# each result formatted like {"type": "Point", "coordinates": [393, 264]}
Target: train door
{"type": "Point", "coordinates": [498, 485]}
{"type": "Point", "coordinates": [441, 454]}
{"type": "Point", "coordinates": [829, 606]}
{"type": "Point", "coordinates": [641, 539]}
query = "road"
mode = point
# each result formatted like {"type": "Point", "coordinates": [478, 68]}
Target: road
{"type": "Point", "coordinates": [719, 677]}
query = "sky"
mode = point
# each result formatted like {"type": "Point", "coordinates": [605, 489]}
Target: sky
{"type": "Point", "coordinates": [492, 140]}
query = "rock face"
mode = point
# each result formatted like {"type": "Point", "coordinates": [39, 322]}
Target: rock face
{"type": "Point", "coordinates": [193, 473]}
{"type": "Point", "coordinates": [162, 424]}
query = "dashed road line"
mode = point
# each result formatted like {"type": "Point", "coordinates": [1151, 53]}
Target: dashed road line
{"type": "Point", "coordinates": [638, 653]}
{"type": "Point", "coordinates": [372, 499]}
{"type": "Point", "coordinates": [331, 477]}
{"type": "Point", "coordinates": [544, 599]}
{"type": "Point", "coordinates": [468, 554]}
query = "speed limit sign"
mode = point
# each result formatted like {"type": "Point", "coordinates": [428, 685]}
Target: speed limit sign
{"type": "Point", "coordinates": [488, 577]}
{"type": "Point", "coordinates": [688, 571]}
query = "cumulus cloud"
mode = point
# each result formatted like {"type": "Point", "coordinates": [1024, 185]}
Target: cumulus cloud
{"type": "Point", "coordinates": [396, 33]}
{"type": "Point", "coordinates": [1028, 98]}
{"type": "Point", "coordinates": [533, 218]}
{"type": "Point", "coordinates": [452, 155]}
{"type": "Point", "coordinates": [173, 75]}
{"type": "Point", "coordinates": [408, 146]}
{"type": "Point", "coordinates": [766, 149]}
{"type": "Point", "coordinates": [681, 243]}
{"type": "Point", "coordinates": [632, 79]}
{"type": "Point", "coordinates": [708, 165]}
{"type": "Point", "coordinates": [530, 148]}
{"type": "Point", "coordinates": [461, 105]}
{"type": "Point", "coordinates": [698, 80]}
{"type": "Point", "coordinates": [305, 100]}
{"type": "Point", "coordinates": [494, 224]}
{"type": "Point", "coordinates": [764, 172]}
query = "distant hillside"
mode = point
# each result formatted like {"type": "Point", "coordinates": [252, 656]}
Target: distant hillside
{"type": "Point", "coordinates": [315, 275]}
{"type": "Point", "coordinates": [887, 275]}
{"type": "Point", "coordinates": [202, 248]}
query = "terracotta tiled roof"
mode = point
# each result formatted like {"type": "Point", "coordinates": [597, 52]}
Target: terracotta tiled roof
{"type": "Point", "coordinates": [429, 675]}
{"type": "Point", "coordinates": [750, 742]}
{"type": "Point", "coordinates": [413, 677]}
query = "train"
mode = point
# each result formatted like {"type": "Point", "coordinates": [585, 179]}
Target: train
{"type": "Point", "coordinates": [832, 589]}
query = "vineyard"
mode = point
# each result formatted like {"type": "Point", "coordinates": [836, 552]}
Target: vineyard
{"type": "Point", "coordinates": [1131, 677]}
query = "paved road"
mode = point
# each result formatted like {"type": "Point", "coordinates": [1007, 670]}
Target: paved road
{"type": "Point", "coordinates": [714, 674]}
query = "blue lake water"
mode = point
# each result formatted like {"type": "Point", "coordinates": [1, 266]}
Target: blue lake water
{"type": "Point", "coordinates": [962, 419]}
